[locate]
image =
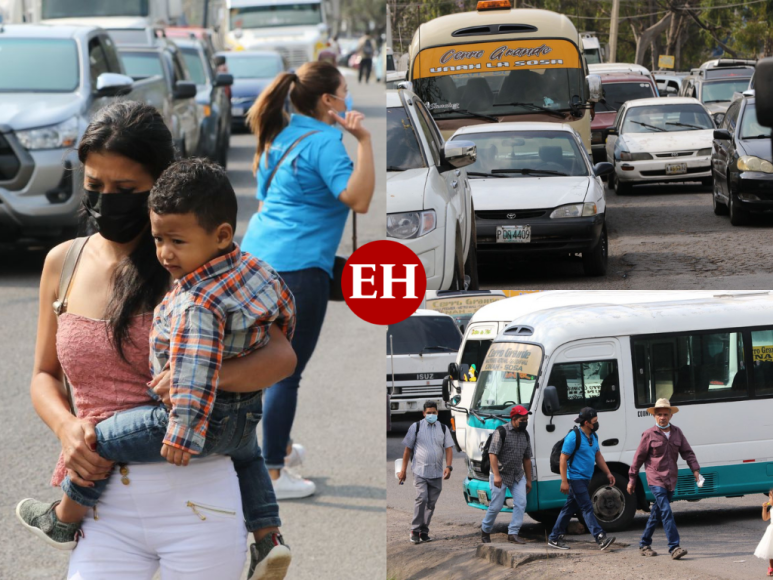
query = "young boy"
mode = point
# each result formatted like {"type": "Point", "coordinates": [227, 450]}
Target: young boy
{"type": "Point", "coordinates": [221, 306]}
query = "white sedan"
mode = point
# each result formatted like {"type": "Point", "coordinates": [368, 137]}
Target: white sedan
{"type": "Point", "coordinates": [656, 140]}
{"type": "Point", "coordinates": [536, 191]}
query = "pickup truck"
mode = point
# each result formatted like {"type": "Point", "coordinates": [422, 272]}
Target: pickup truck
{"type": "Point", "coordinates": [53, 79]}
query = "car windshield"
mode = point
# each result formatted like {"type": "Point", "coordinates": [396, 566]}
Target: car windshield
{"type": "Point", "coordinates": [403, 149]}
{"type": "Point", "coordinates": [140, 65]}
{"type": "Point", "coordinates": [80, 8]}
{"type": "Point", "coordinates": [750, 127]}
{"type": "Point", "coordinates": [38, 65]}
{"type": "Point", "coordinates": [493, 93]}
{"type": "Point", "coordinates": [660, 118]}
{"type": "Point", "coordinates": [508, 378]}
{"type": "Point", "coordinates": [424, 334]}
{"type": "Point", "coordinates": [195, 65]}
{"type": "Point", "coordinates": [519, 153]}
{"type": "Point", "coordinates": [274, 15]}
{"type": "Point", "coordinates": [254, 67]}
{"type": "Point", "coordinates": [615, 95]}
{"type": "Point", "coordinates": [722, 91]}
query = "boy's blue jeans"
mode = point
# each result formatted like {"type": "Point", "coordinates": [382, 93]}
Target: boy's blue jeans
{"type": "Point", "coordinates": [660, 512]}
{"type": "Point", "coordinates": [136, 436]}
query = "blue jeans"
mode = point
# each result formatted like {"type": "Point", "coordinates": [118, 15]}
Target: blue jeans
{"type": "Point", "coordinates": [578, 500]}
{"type": "Point", "coordinates": [518, 491]}
{"type": "Point", "coordinates": [311, 289]}
{"type": "Point", "coordinates": [136, 436]}
{"type": "Point", "coordinates": [660, 512]}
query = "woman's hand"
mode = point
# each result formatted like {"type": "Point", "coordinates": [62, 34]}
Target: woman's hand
{"type": "Point", "coordinates": [161, 386]}
{"type": "Point", "coordinates": [79, 443]}
{"type": "Point", "coordinates": [352, 124]}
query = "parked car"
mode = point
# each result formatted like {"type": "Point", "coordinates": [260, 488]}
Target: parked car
{"type": "Point", "coordinates": [742, 163]}
{"type": "Point", "coordinates": [621, 67]}
{"type": "Point", "coordinates": [616, 89]}
{"type": "Point", "coordinates": [212, 102]}
{"type": "Point", "coordinates": [252, 72]}
{"type": "Point", "coordinates": [536, 191]}
{"type": "Point", "coordinates": [429, 201]}
{"type": "Point", "coordinates": [53, 79]}
{"type": "Point", "coordinates": [714, 87]}
{"type": "Point", "coordinates": [660, 140]}
{"type": "Point", "coordinates": [145, 55]}
{"type": "Point", "coordinates": [669, 82]}
{"type": "Point", "coordinates": [207, 37]}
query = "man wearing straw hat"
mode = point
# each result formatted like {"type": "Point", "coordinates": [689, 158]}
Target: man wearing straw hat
{"type": "Point", "coordinates": [658, 451]}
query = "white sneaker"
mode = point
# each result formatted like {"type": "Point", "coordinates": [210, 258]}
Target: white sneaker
{"type": "Point", "coordinates": [296, 456]}
{"type": "Point", "coordinates": [288, 487]}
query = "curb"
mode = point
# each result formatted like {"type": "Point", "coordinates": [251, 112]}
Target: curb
{"type": "Point", "coordinates": [512, 558]}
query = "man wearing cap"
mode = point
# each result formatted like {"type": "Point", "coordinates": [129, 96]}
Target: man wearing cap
{"type": "Point", "coordinates": [658, 451]}
{"type": "Point", "coordinates": [510, 469]}
{"type": "Point", "coordinates": [576, 472]}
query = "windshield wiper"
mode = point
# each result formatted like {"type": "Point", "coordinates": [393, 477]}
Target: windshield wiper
{"type": "Point", "coordinates": [393, 168]}
{"type": "Point", "coordinates": [686, 125]}
{"type": "Point", "coordinates": [438, 347]}
{"type": "Point", "coordinates": [653, 127]}
{"type": "Point", "coordinates": [481, 174]}
{"type": "Point", "coordinates": [755, 137]}
{"type": "Point", "coordinates": [717, 101]}
{"type": "Point", "coordinates": [466, 112]}
{"type": "Point", "coordinates": [528, 171]}
{"type": "Point", "coordinates": [533, 106]}
{"type": "Point", "coordinates": [481, 416]}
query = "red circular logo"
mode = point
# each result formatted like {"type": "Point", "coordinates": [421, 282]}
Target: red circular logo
{"type": "Point", "coordinates": [384, 282]}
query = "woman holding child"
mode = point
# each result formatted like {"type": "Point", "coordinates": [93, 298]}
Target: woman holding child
{"type": "Point", "coordinates": [184, 520]}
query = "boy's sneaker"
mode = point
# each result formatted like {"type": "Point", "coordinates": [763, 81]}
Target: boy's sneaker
{"type": "Point", "coordinates": [647, 551]}
{"type": "Point", "coordinates": [605, 541]}
{"type": "Point", "coordinates": [558, 543]}
{"type": "Point", "coordinates": [289, 487]}
{"type": "Point", "coordinates": [415, 538]}
{"type": "Point", "coordinates": [269, 559]}
{"type": "Point", "coordinates": [425, 537]}
{"type": "Point", "coordinates": [677, 553]}
{"type": "Point", "coordinates": [40, 519]}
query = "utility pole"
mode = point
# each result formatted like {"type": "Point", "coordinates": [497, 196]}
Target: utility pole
{"type": "Point", "coordinates": [206, 13]}
{"type": "Point", "coordinates": [613, 30]}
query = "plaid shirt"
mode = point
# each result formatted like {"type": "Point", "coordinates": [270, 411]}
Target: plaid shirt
{"type": "Point", "coordinates": [219, 311]}
{"type": "Point", "coordinates": [510, 453]}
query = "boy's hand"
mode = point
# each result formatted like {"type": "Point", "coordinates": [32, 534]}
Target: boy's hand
{"type": "Point", "coordinates": [175, 455]}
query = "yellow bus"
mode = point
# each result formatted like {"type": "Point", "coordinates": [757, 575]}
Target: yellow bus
{"type": "Point", "coordinates": [500, 64]}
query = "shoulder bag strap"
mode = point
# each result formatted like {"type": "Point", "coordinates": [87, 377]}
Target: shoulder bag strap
{"type": "Point", "coordinates": [286, 153]}
{"type": "Point", "coordinates": [416, 439]}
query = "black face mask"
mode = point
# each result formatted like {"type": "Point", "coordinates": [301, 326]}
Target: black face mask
{"type": "Point", "coordinates": [595, 426]}
{"type": "Point", "coordinates": [522, 426]}
{"type": "Point", "coordinates": [120, 217]}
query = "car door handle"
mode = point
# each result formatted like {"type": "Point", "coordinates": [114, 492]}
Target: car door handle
{"type": "Point", "coordinates": [454, 184]}
{"type": "Point", "coordinates": [610, 442]}
{"type": "Point", "coordinates": [458, 172]}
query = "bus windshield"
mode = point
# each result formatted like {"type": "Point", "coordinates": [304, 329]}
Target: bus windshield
{"type": "Point", "coordinates": [499, 78]}
{"type": "Point", "coordinates": [508, 378]}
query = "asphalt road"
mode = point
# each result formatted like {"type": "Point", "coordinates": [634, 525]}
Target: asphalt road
{"type": "Point", "coordinates": [661, 237]}
{"type": "Point", "coordinates": [720, 534]}
{"type": "Point", "coordinates": [339, 533]}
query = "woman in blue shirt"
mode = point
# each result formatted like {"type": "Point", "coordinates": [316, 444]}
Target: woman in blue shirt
{"type": "Point", "coordinates": [301, 219]}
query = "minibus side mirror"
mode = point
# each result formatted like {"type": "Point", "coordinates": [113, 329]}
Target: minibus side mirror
{"type": "Point", "coordinates": [453, 371]}
{"type": "Point", "coordinates": [550, 404]}
{"type": "Point", "coordinates": [447, 389]}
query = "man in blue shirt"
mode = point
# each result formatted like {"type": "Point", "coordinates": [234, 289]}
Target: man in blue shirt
{"type": "Point", "coordinates": [576, 472]}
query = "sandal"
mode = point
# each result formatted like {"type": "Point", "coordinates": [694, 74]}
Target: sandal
{"type": "Point", "coordinates": [770, 571]}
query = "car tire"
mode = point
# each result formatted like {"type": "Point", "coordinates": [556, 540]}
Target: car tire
{"type": "Point", "coordinates": [707, 182]}
{"type": "Point", "coordinates": [622, 187]}
{"type": "Point", "coordinates": [738, 216]}
{"type": "Point", "coordinates": [458, 279]}
{"type": "Point", "coordinates": [719, 207]}
{"type": "Point", "coordinates": [612, 182]}
{"type": "Point", "coordinates": [471, 265]}
{"type": "Point", "coordinates": [613, 507]}
{"type": "Point", "coordinates": [594, 262]}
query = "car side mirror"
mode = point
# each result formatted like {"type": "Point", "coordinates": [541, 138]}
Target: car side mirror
{"type": "Point", "coordinates": [224, 80]}
{"type": "Point", "coordinates": [612, 131]}
{"type": "Point", "coordinates": [603, 168]}
{"type": "Point", "coordinates": [453, 371]}
{"type": "Point", "coordinates": [763, 87]}
{"type": "Point", "coordinates": [459, 154]}
{"type": "Point", "coordinates": [184, 90]}
{"type": "Point", "coordinates": [113, 85]}
{"type": "Point", "coordinates": [218, 60]}
{"type": "Point", "coordinates": [550, 404]}
{"type": "Point", "coordinates": [594, 88]}
{"type": "Point", "coordinates": [722, 135]}
{"type": "Point", "coordinates": [718, 118]}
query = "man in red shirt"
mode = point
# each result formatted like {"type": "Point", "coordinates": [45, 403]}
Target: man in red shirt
{"type": "Point", "coordinates": [658, 450]}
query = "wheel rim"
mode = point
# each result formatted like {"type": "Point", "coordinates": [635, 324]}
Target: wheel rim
{"type": "Point", "coordinates": [608, 503]}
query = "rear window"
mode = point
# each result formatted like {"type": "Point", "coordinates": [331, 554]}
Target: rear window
{"type": "Point", "coordinates": [254, 67]}
{"type": "Point", "coordinates": [403, 149]}
{"type": "Point", "coordinates": [140, 65]}
{"type": "Point", "coordinates": [38, 65]}
{"type": "Point", "coordinates": [615, 95]}
{"type": "Point", "coordinates": [424, 335]}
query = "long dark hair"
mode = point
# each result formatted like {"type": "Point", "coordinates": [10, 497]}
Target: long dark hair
{"type": "Point", "coordinates": [135, 131]}
{"type": "Point", "coordinates": [267, 116]}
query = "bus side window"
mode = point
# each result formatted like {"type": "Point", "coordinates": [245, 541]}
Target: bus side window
{"type": "Point", "coordinates": [587, 384]}
{"type": "Point", "coordinates": [762, 365]}
{"type": "Point", "coordinates": [474, 352]}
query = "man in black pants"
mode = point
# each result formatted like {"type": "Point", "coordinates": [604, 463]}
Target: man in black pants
{"type": "Point", "coordinates": [366, 49]}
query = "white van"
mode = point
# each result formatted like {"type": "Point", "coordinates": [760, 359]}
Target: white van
{"type": "Point", "coordinates": [419, 350]}
{"type": "Point", "coordinates": [711, 355]}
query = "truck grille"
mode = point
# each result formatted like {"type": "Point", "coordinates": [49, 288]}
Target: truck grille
{"type": "Point", "coordinates": [675, 154]}
{"type": "Point", "coordinates": [503, 214]}
{"type": "Point", "coordinates": [295, 57]}
{"type": "Point", "coordinates": [9, 163]}
{"type": "Point", "coordinates": [416, 392]}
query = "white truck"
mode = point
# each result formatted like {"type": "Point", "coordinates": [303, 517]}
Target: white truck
{"type": "Point", "coordinates": [294, 28]}
{"type": "Point", "coordinates": [105, 13]}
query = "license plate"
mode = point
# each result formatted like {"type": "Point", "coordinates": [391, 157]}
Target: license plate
{"type": "Point", "coordinates": [482, 497]}
{"type": "Point", "coordinates": [237, 111]}
{"type": "Point", "coordinates": [513, 234]}
{"type": "Point", "coordinates": [676, 168]}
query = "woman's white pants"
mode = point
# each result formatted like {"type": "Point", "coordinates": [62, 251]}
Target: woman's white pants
{"type": "Point", "coordinates": [185, 521]}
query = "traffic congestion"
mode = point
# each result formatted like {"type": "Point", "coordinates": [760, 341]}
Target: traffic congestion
{"type": "Point", "coordinates": [515, 156]}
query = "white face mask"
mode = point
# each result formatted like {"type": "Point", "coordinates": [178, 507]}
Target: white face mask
{"type": "Point", "coordinates": [666, 427]}
{"type": "Point", "coordinates": [431, 418]}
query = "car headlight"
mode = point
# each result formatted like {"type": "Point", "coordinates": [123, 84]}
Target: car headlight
{"type": "Point", "coordinates": [470, 469]}
{"type": "Point", "coordinates": [64, 134]}
{"type": "Point", "coordinates": [751, 163]}
{"type": "Point", "coordinates": [412, 224]}
{"type": "Point", "coordinates": [575, 210]}
{"type": "Point", "coordinates": [628, 156]}
{"type": "Point", "coordinates": [706, 151]}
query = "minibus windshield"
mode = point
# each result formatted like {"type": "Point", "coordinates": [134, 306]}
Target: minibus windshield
{"type": "Point", "coordinates": [508, 378]}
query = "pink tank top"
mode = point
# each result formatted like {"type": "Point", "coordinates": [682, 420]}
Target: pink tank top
{"type": "Point", "coordinates": [102, 382]}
